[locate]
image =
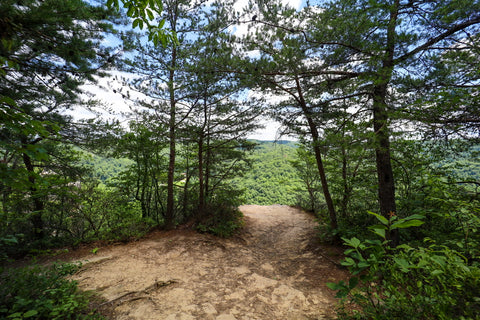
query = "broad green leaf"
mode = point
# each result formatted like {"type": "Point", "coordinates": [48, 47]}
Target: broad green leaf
{"type": "Point", "coordinates": [380, 232]}
{"type": "Point", "coordinates": [334, 286]}
{"type": "Point", "coordinates": [403, 264]}
{"type": "Point", "coordinates": [402, 224]}
{"type": "Point", "coordinates": [135, 23]}
{"type": "Point", "coordinates": [353, 242]}
{"type": "Point", "coordinates": [436, 272]}
{"type": "Point", "coordinates": [414, 216]}
{"type": "Point", "coordinates": [348, 262]}
{"type": "Point", "coordinates": [30, 313]}
{"type": "Point", "coordinates": [382, 219]}
{"type": "Point", "coordinates": [150, 14]}
{"type": "Point", "coordinates": [131, 10]}
{"type": "Point", "coordinates": [161, 23]}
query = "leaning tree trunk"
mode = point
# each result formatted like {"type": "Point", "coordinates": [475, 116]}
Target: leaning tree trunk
{"type": "Point", "coordinates": [318, 156]}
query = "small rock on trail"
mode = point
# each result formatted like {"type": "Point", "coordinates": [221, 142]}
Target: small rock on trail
{"type": "Point", "coordinates": [273, 269]}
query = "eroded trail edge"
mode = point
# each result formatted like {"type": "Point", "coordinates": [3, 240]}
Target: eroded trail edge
{"type": "Point", "coordinates": [274, 269]}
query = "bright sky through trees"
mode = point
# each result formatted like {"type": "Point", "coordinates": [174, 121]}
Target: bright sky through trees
{"type": "Point", "coordinates": [108, 91]}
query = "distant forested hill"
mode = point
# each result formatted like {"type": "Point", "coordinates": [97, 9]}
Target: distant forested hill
{"type": "Point", "coordinates": [467, 164]}
{"type": "Point", "coordinates": [272, 179]}
{"type": "Point", "coordinates": [106, 168]}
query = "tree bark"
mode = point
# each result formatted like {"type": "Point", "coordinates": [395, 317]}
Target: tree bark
{"type": "Point", "coordinates": [170, 212]}
{"type": "Point", "coordinates": [318, 156]}
{"type": "Point", "coordinates": [38, 205]}
{"type": "Point", "coordinates": [201, 186]}
{"type": "Point", "coordinates": [386, 181]}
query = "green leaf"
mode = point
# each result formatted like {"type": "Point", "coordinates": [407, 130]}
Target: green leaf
{"type": "Point", "coordinates": [403, 264]}
{"type": "Point", "coordinates": [161, 23]}
{"type": "Point", "coordinates": [353, 242]}
{"type": "Point", "coordinates": [333, 286]}
{"type": "Point", "coordinates": [135, 23]}
{"type": "Point", "coordinates": [348, 262]}
{"type": "Point", "coordinates": [415, 216]}
{"type": "Point", "coordinates": [402, 224]}
{"type": "Point", "coordinates": [380, 232]}
{"type": "Point", "coordinates": [436, 272]}
{"type": "Point", "coordinates": [30, 313]}
{"type": "Point", "coordinates": [382, 219]}
{"type": "Point", "coordinates": [150, 14]}
{"type": "Point", "coordinates": [131, 11]}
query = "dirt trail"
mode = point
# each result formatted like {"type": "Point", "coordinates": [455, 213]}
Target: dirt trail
{"type": "Point", "coordinates": [272, 270]}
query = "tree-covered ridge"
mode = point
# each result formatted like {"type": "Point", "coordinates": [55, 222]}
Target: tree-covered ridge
{"type": "Point", "coordinates": [271, 179]}
{"type": "Point", "coordinates": [104, 168]}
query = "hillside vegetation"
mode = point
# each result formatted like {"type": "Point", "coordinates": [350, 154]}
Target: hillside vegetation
{"type": "Point", "coordinates": [272, 179]}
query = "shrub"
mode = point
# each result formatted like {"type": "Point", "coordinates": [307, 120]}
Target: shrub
{"type": "Point", "coordinates": [38, 292]}
{"type": "Point", "coordinates": [428, 282]}
{"type": "Point", "coordinates": [221, 221]}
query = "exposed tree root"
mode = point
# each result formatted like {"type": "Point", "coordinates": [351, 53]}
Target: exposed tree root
{"type": "Point", "coordinates": [141, 294]}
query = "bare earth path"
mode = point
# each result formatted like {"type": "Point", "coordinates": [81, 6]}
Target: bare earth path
{"type": "Point", "coordinates": [272, 270]}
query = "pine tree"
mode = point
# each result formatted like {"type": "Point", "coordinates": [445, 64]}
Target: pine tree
{"type": "Point", "coordinates": [50, 48]}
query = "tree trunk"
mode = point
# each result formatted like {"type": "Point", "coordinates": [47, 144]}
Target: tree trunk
{"type": "Point", "coordinates": [318, 156]}
{"type": "Point", "coordinates": [386, 181]}
{"type": "Point", "coordinates": [346, 189]}
{"type": "Point", "coordinates": [201, 160]}
{"type": "Point", "coordinates": [201, 186]}
{"type": "Point", "coordinates": [38, 204]}
{"type": "Point", "coordinates": [321, 172]}
{"type": "Point", "coordinates": [170, 214]}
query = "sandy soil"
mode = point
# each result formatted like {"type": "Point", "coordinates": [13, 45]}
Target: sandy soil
{"type": "Point", "coordinates": [273, 269]}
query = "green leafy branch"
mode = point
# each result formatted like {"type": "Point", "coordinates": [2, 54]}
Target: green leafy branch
{"type": "Point", "coordinates": [143, 13]}
{"type": "Point", "coordinates": [364, 258]}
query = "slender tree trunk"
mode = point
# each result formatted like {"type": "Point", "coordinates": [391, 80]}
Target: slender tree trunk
{"type": "Point", "coordinates": [38, 204]}
{"type": "Point", "coordinates": [185, 189]}
{"type": "Point", "coordinates": [321, 172]}
{"type": "Point", "coordinates": [386, 181]}
{"type": "Point", "coordinates": [318, 156]}
{"type": "Point", "coordinates": [208, 160]}
{"type": "Point", "coordinates": [201, 187]}
{"type": "Point", "coordinates": [170, 214]}
{"type": "Point", "coordinates": [201, 142]}
{"type": "Point", "coordinates": [346, 189]}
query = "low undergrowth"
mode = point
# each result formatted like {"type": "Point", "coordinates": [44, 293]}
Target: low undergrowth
{"type": "Point", "coordinates": [38, 292]}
